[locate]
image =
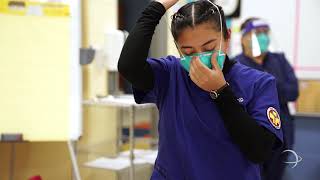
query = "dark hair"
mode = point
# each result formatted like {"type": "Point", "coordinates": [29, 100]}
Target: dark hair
{"type": "Point", "coordinates": [247, 21]}
{"type": "Point", "coordinates": [204, 12]}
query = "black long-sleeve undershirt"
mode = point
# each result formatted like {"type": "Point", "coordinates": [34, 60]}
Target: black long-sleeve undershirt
{"type": "Point", "coordinates": [253, 140]}
{"type": "Point", "coordinates": [132, 63]}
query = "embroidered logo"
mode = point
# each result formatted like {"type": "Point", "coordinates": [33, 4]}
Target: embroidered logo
{"type": "Point", "coordinates": [274, 117]}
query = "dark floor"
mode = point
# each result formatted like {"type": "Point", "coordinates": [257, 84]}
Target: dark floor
{"type": "Point", "coordinates": [307, 145]}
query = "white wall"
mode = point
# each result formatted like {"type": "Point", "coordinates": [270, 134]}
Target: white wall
{"type": "Point", "coordinates": [75, 72]}
{"type": "Point", "coordinates": [281, 17]}
{"type": "Point", "coordinates": [294, 24]}
{"type": "Point", "coordinates": [288, 34]}
{"type": "Point", "coordinates": [308, 63]}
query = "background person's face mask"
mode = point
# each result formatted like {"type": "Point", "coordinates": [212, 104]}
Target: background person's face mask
{"type": "Point", "coordinates": [205, 58]}
{"type": "Point", "coordinates": [259, 43]}
{"type": "Point", "coordinates": [264, 41]}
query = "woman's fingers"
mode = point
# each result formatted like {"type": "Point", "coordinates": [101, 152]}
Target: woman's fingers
{"type": "Point", "coordinates": [214, 62]}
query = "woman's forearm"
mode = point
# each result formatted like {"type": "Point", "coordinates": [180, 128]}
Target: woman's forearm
{"type": "Point", "coordinates": [255, 141]}
{"type": "Point", "coordinates": [132, 63]}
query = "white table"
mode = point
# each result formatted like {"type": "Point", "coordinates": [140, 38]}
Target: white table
{"type": "Point", "coordinates": [123, 101]}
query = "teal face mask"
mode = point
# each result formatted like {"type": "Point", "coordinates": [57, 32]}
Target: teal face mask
{"type": "Point", "coordinates": [205, 58]}
{"type": "Point", "coordinates": [263, 40]}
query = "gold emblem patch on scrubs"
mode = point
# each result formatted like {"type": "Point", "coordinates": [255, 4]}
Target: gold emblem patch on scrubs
{"type": "Point", "coordinates": [274, 117]}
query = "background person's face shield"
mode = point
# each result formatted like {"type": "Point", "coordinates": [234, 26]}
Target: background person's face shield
{"type": "Point", "coordinates": [260, 37]}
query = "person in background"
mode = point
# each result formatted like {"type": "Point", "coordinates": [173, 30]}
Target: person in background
{"type": "Point", "coordinates": [255, 44]}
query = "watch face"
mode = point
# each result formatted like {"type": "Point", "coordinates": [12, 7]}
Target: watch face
{"type": "Point", "coordinates": [214, 95]}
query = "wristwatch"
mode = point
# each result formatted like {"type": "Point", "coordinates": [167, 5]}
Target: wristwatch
{"type": "Point", "coordinates": [214, 94]}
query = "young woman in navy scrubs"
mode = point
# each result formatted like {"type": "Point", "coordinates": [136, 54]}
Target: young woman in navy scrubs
{"type": "Point", "coordinates": [218, 121]}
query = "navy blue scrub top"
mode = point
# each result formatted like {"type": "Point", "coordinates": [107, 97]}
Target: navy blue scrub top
{"type": "Point", "coordinates": [193, 142]}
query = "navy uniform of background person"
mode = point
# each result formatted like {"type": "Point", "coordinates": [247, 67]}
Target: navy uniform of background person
{"type": "Point", "coordinates": [255, 43]}
{"type": "Point", "coordinates": [218, 118]}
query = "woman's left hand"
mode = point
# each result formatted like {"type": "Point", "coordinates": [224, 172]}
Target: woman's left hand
{"type": "Point", "coordinates": [207, 79]}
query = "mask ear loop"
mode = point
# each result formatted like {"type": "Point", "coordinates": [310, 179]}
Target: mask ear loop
{"type": "Point", "coordinates": [179, 50]}
{"type": "Point", "coordinates": [220, 46]}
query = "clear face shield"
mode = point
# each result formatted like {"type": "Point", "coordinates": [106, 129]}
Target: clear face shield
{"type": "Point", "coordinates": [205, 57]}
{"type": "Point", "coordinates": [261, 39]}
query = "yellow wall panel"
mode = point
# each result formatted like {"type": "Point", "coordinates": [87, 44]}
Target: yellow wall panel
{"type": "Point", "coordinates": [102, 15]}
{"type": "Point", "coordinates": [35, 77]}
{"type": "Point", "coordinates": [309, 99]}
